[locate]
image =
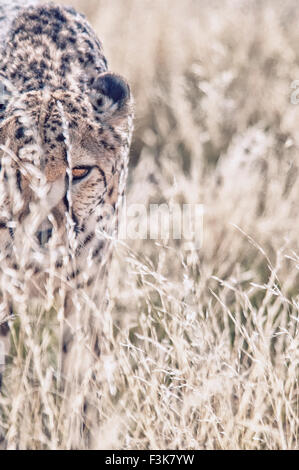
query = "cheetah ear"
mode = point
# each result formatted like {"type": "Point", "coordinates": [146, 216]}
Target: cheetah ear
{"type": "Point", "coordinates": [110, 96]}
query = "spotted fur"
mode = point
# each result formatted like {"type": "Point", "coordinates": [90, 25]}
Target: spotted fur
{"type": "Point", "coordinates": [60, 109]}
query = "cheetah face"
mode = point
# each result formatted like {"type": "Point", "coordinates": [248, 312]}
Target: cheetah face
{"type": "Point", "coordinates": [62, 157]}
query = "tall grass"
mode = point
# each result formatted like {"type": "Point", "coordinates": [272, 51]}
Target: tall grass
{"type": "Point", "coordinates": [199, 348]}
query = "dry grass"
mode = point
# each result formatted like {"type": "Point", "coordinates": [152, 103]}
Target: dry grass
{"type": "Point", "coordinates": [200, 349]}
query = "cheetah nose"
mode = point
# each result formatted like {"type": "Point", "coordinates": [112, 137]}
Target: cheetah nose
{"type": "Point", "coordinates": [44, 234]}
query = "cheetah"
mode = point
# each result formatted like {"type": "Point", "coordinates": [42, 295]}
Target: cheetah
{"type": "Point", "coordinates": [66, 123]}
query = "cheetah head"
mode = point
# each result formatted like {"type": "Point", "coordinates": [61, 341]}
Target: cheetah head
{"type": "Point", "coordinates": [63, 157]}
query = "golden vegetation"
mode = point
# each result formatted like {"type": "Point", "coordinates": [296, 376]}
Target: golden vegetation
{"type": "Point", "coordinates": [199, 348]}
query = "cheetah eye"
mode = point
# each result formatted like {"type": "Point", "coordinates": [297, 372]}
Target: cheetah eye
{"type": "Point", "coordinates": [79, 172]}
